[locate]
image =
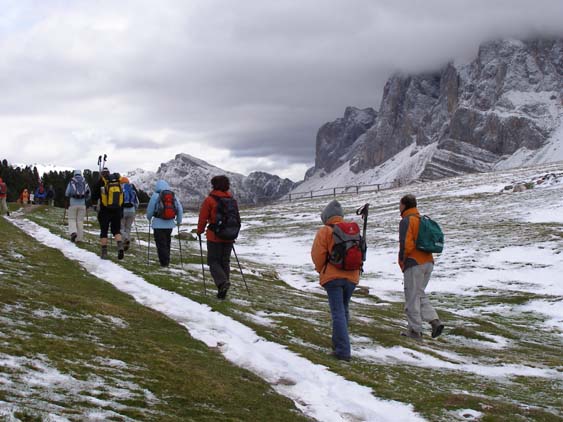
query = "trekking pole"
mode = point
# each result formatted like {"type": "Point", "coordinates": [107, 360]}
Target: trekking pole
{"type": "Point", "coordinates": [64, 216]}
{"type": "Point", "coordinates": [137, 231]}
{"type": "Point", "coordinates": [149, 246]}
{"type": "Point", "coordinates": [99, 164]}
{"type": "Point", "coordinates": [240, 268]}
{"type": "Point", "coordinates": [202, 269]}
{"type": "Point", "coordinates": [364, 211]}
{"type": "Point", "coordinates": [180, 245]}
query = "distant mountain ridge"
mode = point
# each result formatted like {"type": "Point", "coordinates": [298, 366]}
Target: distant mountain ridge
{"type": "Point", "coordinates": [190, 177]}
{"type": "Point", "coordinates": [504, 109]}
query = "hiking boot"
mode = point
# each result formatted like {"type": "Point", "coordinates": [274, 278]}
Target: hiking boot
{"type": "Point", "coordinates": [126, 245]}
{"type": "Point", "coordinates": [120, 254]}
{"type": "Point", "coordinates": [222, 294]}
{"type": "Point", "coordinates": [437, 327]}
{"type": "Point", "coordinates": [73, 237]}
{"type": "Point", "coordinates": [347, 359]}
{"type": "Point", "coordinates": [104, 254]}
{"type": "Point", "coordinates": [410, 333]}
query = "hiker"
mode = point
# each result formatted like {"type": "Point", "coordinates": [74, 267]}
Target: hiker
{"type": "Point", "coordinates": [417, 266]}
{"type": "Point", "coordinates": [78, 193]}
{"type": "Point", "coordinates": [164, 211]}
{"type": "Point", "coordinates": [219, 212]}
{"type": "Point", "coordinates": [24, 197]}
{"type": "Point", "coordinates": [339, 283]}
{"type": "Point", "coordinates": [51, 196]}
{"type": "Point", "coordinates": [108, 199]}
{"type": "Point", "coordinates": [3, 195]}
{"type": "Point", "coordinates": [40, 194]}
{"type": "Point", "coordinates": [130, 206]}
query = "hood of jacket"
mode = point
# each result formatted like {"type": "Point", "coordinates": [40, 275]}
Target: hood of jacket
{"type": "Point", "coordinates": [161, 185]}
{"type": "Point", "coordinates": [332, 209]}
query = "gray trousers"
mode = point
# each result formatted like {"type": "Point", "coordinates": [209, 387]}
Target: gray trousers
{"type": "Point", "coordinates": [3, 206]}
{"type": "Point", "coordinates": [219, 261]}
{"type": "Point", "coordinates": [76, 214]}
{"type": "Point", "coordinates": [417, 304]}
{"type": "Point", "coordinates": [126, 223]}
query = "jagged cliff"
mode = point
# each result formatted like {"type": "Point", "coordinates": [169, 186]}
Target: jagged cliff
{"type": "Point", "coordinates": [503, 109]}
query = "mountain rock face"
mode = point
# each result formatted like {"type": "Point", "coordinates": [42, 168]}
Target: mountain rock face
{"type": "Point", "coordinates": [503, 109]}
{"type": "Point", "coordinates": [190, 178]}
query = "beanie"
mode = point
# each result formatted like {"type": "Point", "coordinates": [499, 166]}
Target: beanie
{"type": "Point", "coordinates": [332, 209]}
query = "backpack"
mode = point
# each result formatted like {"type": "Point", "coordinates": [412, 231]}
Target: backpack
{"type": "Point", "coordinates": [112, 194]}
{"type": "Point", "coordinates": [348, 252]}
{"type": "Point", "coordinates": [430, 236]}
{"type": "Point", "coordinates": [166, 205]}
{"type": "Point", "coordinates": [77, 187]}
{"type": "Point", "coordinates": [227, 220]}
{"type": "Point", "coordinates": [129, 196]}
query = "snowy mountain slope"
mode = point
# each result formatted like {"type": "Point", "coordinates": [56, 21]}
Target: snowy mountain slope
{"type": "Point", "coordinates": [190, 177]}
{"type": "Point", "coordinates": [496, 286]}
{"type": "Point", "coordinates": [503, 109]}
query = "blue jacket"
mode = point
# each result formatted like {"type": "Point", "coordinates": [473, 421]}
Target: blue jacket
{"type": "Point", "coordinates": [159, 223]}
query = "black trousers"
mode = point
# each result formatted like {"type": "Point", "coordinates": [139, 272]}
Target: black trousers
{"type": "Point", "coordinates": [109, 218]}
{"type": "Point", "coordinates": [162, 239]}
{"type": "Point", "coordinates": [219, 261]}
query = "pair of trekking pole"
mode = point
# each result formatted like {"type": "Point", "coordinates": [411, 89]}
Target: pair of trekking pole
{"type": "Point", "coordinates": [203, 269]}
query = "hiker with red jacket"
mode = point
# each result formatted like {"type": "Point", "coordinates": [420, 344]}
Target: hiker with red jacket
{"type": "Point", "coordinates": [164, 212]}
{"type": "Point", "coordinates": [3, 195]}
{"type": "Point", "coordinates": [338, 281]}
{"type": "Point", "coordinates": [219, 213]}
{"type": "Point", "coordinates": [417, 267]}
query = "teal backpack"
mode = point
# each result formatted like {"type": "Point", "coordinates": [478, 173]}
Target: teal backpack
{"type": "Point", "coordinates": [430, 236]}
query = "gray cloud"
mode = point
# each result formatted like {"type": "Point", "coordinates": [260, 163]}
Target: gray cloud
{"type": "Point", "coordinates": [257, 78]}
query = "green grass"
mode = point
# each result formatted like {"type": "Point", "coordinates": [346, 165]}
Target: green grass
{"type": "Point", "coordinates": [65, 317]}
{"type": "Point", "coordinates": [301, 322]}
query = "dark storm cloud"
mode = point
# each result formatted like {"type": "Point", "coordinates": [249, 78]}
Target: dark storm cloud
{"type": "Point", "coordinates": [256, 77]}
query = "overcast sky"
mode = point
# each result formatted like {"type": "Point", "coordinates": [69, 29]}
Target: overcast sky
{"type": "Point", "coordinates": [241, 84]}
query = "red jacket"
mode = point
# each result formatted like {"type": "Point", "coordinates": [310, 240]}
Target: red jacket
{"type": "Point", "coordinates": [208, 215]}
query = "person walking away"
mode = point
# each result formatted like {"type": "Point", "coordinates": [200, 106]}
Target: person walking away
{"type": "Point", "coordinates": [3, 196]}
{"type": "Point", "coordinates": [164, 212]}
{"type": "Point", "coordinates": [40, 194]}
{"type": "Point", "coordinates": [219, 213]}
{"type": "Point", "coordinates": [338, 281]}
{"type": "Point", "coordinates": [417, 267]}
{"type": "Point", "coordinates": [130, 206]}
{"type": "Point", "coordinates": [108, 196]}
{"type": "Point", "coordinates": [78, 193]}
{"type": "Point", "coordinates": [51, 196]}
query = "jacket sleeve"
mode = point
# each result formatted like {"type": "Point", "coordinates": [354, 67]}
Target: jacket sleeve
{"type": "Point", "coordinates": [150, 207]}
{"type": "Point", "coordinates": [204, 215]}
{"type": "Point", "coordinates": [319, 250]}
{"type": "Point", "coordinates": [180, 212]}
{"type": "Point", "coordinates": [403, 229]}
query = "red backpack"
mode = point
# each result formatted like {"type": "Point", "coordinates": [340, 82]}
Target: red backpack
{"type": "Point", "coordinates": [348, 252]}
{"type": "Point", "coordinates": [166, 206]}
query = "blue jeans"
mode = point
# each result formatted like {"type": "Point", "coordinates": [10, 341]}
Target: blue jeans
{"type": "Point", "coordinates": [339, 293]}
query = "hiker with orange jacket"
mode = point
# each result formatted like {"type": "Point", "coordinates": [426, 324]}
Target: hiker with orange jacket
{"type": "Point", "coordinates": [417, 267]}
{"type": "Point", "coordinates": [220, 234]}
{"type": "Point", "coordinates": [24, 197]}
{"type": "Point", "coordinates": [338, 283]}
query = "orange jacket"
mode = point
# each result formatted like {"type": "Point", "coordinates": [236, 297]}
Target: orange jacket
{"type": "Point", "coordinates": [409, 256]}
{"type": "Point", "coordinates": [320, 250]}
{"type": "Point", "coordinates": [208, 215]}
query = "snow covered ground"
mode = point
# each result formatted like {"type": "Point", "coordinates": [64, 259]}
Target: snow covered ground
{"type": "Point", "coordinates": [497, 286]}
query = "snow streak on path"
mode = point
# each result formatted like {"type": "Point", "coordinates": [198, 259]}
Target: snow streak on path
{"type": "Point", "coordinates": [317, 392]}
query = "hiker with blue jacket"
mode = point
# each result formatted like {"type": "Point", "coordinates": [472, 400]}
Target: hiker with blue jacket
{"type": "Point", "coordinates": [130, 206]}
{"type": "Point", "coordinates": [164, 212]}
{"type": "Point", "coordinates": [417, 267]}
{"type": "Point", "coordinates": [78, 193]}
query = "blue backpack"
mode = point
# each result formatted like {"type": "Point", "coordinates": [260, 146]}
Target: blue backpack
{"type": "Point", "coordinates": [129, 196]}
{"type": "Point", "coordinates": [78, 187]}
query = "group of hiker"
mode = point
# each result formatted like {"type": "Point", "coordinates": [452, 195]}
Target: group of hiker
{"type": "Point", "coordinates": [40, 196]}
{"type": "Point", "coordinates": [338, 250]}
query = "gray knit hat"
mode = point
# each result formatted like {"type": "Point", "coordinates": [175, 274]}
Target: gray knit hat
{"type": "Point", "coordinates": [332, 209]}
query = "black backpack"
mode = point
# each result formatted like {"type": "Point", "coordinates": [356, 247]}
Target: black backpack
{"type": "Point", "coordinates": [227, 221]}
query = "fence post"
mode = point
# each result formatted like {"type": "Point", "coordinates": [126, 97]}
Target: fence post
{"type": "Point", "coordinates": [311, 194]}
{"type": "Point", "coordinates": [357, 190]}
{"type": "Point", "coordinates": [334, 192]}
{"type": "Point", "coordinates": [378, 187]}
{"type": "Point", "coordinates": [289, 197]}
